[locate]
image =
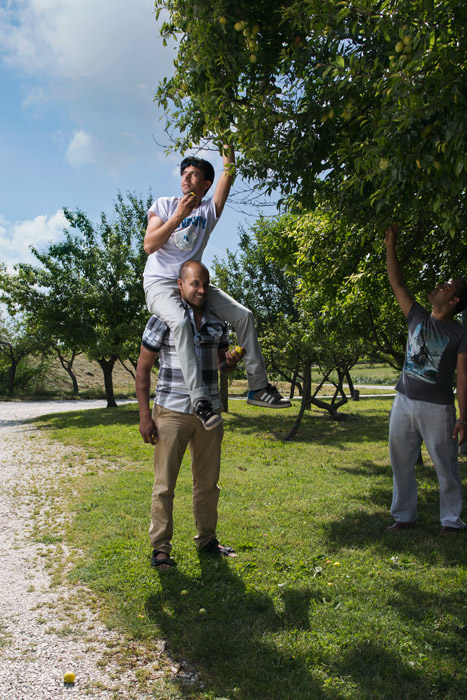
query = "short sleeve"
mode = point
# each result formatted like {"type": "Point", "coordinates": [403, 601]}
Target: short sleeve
{"type": "Point", "coordinates": [154, 334]}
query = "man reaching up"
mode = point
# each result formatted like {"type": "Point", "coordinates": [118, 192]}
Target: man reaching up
{"type": "Point", "coordinates": [423, 410]}
{"type": "Point", "coordinates": [178, 230]}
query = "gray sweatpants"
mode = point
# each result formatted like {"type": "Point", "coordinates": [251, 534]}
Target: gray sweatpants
{"type": "Point", "coordinates": [411, 423]}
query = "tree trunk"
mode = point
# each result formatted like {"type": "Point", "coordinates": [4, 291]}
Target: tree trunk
{"type": "Point", "coordinates": [107, 367]}
{"type": "Point", "coordinates": [130, 371]}
{"type": "Point", "coordinates": [67, 366]}
{"type": "Point", "coordinates": [224, 391]}
{"type": "Point", "coordinates": [11, 377]}
{"type": "Point", "coordinates": [305, 402]}
{"type": "Point", "coordinates": [350, 383]}
{"type": "Point", "coordinates": [293, 383]}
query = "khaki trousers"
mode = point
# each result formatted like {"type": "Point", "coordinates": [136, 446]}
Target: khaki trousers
{"type": "Point", "coordinates": [175, 432]}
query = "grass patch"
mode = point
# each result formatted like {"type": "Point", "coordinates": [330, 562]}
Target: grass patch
{"type": "Point", "coordinates": [320, 603]}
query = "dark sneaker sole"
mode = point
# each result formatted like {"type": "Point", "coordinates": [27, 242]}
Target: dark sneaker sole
{"type": "Point", "coordinates": [212, 424]}
{"type": "Point", "coordinates": [264, 404]}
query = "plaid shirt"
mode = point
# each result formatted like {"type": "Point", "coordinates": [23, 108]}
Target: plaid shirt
{"type": "Point", "coordinates": [171, 391]}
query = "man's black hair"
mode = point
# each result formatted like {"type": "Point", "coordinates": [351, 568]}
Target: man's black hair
{"type": "Point", "coordinates": [204, 165]}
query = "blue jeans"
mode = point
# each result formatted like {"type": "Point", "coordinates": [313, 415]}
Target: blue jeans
{"type": "Point", "coordinates": [410, 424]}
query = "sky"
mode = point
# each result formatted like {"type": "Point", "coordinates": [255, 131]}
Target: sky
{"type": "Point", "coordinates": [78, 121]}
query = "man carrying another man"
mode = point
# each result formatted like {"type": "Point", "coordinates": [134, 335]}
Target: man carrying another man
{"type": "Point", "coordinates": [172, 425]}
{"type": "Point", "coordinates": [178, 230]}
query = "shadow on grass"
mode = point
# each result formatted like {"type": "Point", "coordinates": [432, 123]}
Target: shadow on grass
{"type": "Point", "coordinates": [315, 428]}
{"type": "Point", "coordinates": [240, 645]}
{"type": "Point", "coordinates": [366, 467]}
{"type": "Point", "coordinates": [422, 543]}
{"type": "Point", "coordinates": [360, 528]}
{"type": "Point", "coordinates": [232, 645]}
{"type": "Point", "coordinates": [121, 415]}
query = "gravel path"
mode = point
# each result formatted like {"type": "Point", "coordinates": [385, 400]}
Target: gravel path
{"type": "Point", "coordinates": [47, 628]}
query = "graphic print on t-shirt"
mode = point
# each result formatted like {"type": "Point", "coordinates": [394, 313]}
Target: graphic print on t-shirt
{"type": "Point", "coordinates": [185, 238]}
{"type": "Point", "coordinates": [424, 352]}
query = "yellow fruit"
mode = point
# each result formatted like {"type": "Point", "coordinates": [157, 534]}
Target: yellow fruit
{"type": "Point", "coordinates": [399, 46]}
{"type": "Point", "coordinates": [331, 113]}
{"type": "Point", "coordinates": [253, 58]}
{"type": "Point", "coordinates": [238, 349]}
{"type": "Point", "coordinates": [436, 164]}
{"type": "Point", "coordinates": [69, 677]}
{"type": "Point", "coordinates": [419, 165]}
{"type": "Point", "coordinates": [407, 39]}
{"type": "Point", "coordinates": [222, 20]}
{"type": "Point", "coordinates": [202, 611]}
{"type": "Point", "coordinates": [184, 592]}
{"type": "Point", "coordinates": [255, 29]}
{"type": "Point", "coordinates": [239, 26]}
{"type": "Point", "coordinates": [383, 163]}
{"type": "Point", "coordinates": [192, 194]}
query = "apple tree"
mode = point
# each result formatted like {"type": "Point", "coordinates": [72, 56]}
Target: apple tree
{"type": "Point", "coordinates": [360, 103]}
{"type": "Point", "coordinates": [298, 332]}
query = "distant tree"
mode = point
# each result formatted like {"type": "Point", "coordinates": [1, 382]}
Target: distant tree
{"type": "Point", "coordinates": [87, 294]}
{"type": "Point", "coordinates": [16, 343]}
{"type": "Point", "coordinates": [294, 333]}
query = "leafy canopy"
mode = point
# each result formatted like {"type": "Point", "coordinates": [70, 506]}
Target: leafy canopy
{"type": "Point", "coordinates": [363, 103]}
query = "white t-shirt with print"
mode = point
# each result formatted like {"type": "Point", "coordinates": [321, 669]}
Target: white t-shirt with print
{"type": "Point", "coordinates": [187, 242]}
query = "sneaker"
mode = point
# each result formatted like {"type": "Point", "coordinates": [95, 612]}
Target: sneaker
{"type": "Point", "coordinates": [268, 397]}
{"type": "Point", "coordinates": [208, 417]}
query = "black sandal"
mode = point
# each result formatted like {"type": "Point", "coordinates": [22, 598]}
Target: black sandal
{"type": "Point", "coordinates": [157, 563]}
{"type": "Point", "coordinates": [213, 547]}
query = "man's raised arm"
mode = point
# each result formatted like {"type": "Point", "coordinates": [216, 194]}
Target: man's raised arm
{"type": "Point", "coordinates": [225, 180]}
{"type": "Point", "coordinates": [402, 294]}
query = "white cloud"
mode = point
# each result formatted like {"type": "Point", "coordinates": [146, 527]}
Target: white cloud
{"type": "Point", "coordinates": [80, 150]}
{"type": "Point", "coordinates": [17, 237]}
{"type": "Point", "coordinates": [102, 60]}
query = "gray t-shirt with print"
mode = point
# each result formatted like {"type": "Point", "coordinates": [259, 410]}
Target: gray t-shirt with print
{"type": "Point", "coordinates": [431, 357]}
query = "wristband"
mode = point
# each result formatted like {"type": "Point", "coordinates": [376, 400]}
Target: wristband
{"type": "Point", "coordinates": [462, 422]}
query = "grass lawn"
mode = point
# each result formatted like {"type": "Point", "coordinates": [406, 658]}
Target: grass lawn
{"type": "Point", "coordinates": [320, 602]}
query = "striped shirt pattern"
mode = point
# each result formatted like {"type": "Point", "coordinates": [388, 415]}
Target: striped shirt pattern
{"type": "Point", "coordinates": [171, 391]}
